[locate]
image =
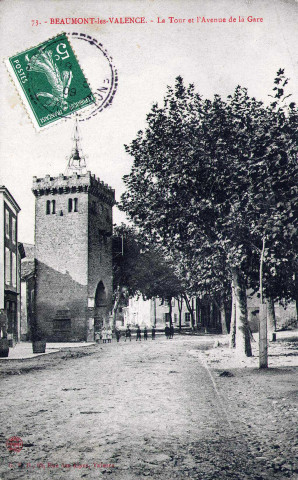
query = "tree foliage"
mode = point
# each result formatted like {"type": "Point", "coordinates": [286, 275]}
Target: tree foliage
{"type": "Point", "coordinates": [142, 270]}
{"type": "Point", "coordinates": [211, 179]}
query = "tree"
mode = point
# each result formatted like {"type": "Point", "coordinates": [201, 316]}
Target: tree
{"type": "Point", "coordinates": [139, 269]}
{"type": "Point", "coordinates": [199, 179]}
{"type": "Point", "coordinates": [271, 212]}
{"type": "Point", "coordinates": [177, 187]}
{"type": "Point", "coordinates": [205, 275]}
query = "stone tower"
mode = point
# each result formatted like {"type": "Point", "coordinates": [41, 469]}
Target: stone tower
{"type": "Point", "coordinates": [73, 251]}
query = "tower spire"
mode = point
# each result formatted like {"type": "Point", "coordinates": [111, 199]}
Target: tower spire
{"type": "Point", "coordinates": [76, 161]}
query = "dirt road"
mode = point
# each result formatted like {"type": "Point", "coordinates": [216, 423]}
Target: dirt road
{"type": "Point", "coordinates": [142, 410]}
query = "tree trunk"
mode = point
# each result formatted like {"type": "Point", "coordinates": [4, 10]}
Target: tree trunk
{"type": "Point", "coordinates": [233, 320]}
{"type": "Point", "coordinates": [193, 318]}
{"type": "Point", "coordinates": [212, 314]}
{"type": "Point", "coordinates": [116, 305]}
{"type": "Point", "coordinates": [227, 307]}
{"type": "Point", "coordinates": [263, 343]}
{"type": "Point", "coordinates": [243, 345]}
{"type": "Point", "coordinates": [296, 293]}
{"type": "Point", "coordinates": [198, 312]}
{"type": "Point", "coordinates": [154, 307]}
{"type": "Point", "coordinates": [170, 310]}
{"type": "Point", "coordinates": [180, 304]}
{"type": "Point", "coordinates": [189, 308]}
{"type": "Point", "coordinates": [222, 311]}
{"type": "Point", "coordinates": [207, 323]}
{"type": "Point", "coordinates": [263, 339]}
{"type": "Point", "coordinates": [271, 317]}
{"type": "Point", "coordinates": [203, 315]}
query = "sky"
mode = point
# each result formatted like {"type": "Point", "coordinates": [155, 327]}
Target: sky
{"type": "Point", "coordinates": [216, 57]}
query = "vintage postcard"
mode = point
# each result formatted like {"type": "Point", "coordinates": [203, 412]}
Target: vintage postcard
{"type": "Point", "coordinates": [148, 325]}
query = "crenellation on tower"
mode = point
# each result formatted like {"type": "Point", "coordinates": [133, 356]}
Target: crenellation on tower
{"type": "Point", "coordinates": [74, 183]}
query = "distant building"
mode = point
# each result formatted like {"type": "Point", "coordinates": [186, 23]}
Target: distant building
{"type": "Point", "coordinates": [137, 312]}
{"type": "Point", "coordinates": [73, 251]}
{"type": "Point", "coordinates": [154, 312]}
{"type": "Point", "coordinates": [285, 316]}
{"type": "Point", "coordinates": [10, 254]}
{"type": "Point", "coordinates": [207, 315]}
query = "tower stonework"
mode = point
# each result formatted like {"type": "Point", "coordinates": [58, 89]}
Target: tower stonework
{"type": "Point", "coordinates": [73, 251]}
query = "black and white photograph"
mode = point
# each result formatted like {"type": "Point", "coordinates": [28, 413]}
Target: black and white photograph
{"type": "Point", "coordinates": [148, 239]}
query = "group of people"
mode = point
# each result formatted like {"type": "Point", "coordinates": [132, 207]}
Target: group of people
{"type": "Point", "coordinates": [106, 334]}
{"type": "Point", "coordinates": [169, 331]}
{"type": "Point", "coordinates": [139, 334]}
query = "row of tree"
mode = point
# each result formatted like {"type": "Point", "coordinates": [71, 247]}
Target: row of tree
{"type": "Point", "coordinates": [213, 185]}
{"type": "Point", "coordinates": [139, 269]}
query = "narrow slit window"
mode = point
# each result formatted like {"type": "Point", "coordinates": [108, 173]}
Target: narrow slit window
{"type": "Point", "coordinates": [53, 206]}
{"type": "Point", "coordinates": [7, 225]}
{"type": "Point", "coordinates": [48, 207]}
{"type": "Point", "coordinates": [70, 204]}
{"type": "Point", "coordinates": [75, 205]}
{"type": "Point", "coordinates": [13, 269]}
{"type": "Point", "coordinates": [13, 230]}
{"type": "Point", "coordinates": [7, 266]}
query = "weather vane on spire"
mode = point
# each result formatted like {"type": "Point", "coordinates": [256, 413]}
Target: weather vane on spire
{"type": "Point", "coordinates": [76, 160]}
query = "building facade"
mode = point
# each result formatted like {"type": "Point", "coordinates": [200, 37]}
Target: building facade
{"type": "Point", "coordinates": [73, 252]}
{"type": "Point", "coordinates": [10, 253]}
{"type": "Point", "coordinates": [154, 312]}
{"type": "Point", "coordinates": [207, 315]}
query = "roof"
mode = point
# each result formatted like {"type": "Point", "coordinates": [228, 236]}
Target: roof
{"type": "Point", "coordinates": [7, 193]}
{"type": "Point", "coordinates": [27, 269]}
{"type": "Point", "coordinates": [28, 263]}
{"type": "Point", "coordinates": [29, 250]}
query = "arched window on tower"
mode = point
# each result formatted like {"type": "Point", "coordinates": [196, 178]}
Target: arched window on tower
{"type": "Point", "coordinates": [48, 207]}
{"type": "Point", "coordinates": [75, 205]}
{"type": "Point", "coordinates": [70, 204]}
{"type": "Point", "coordinates": [53, 206]}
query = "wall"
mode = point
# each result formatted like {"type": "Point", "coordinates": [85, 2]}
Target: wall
{"type": "Point", "coordinates": [24, 317]}
{"type": "Point", "coordinates": [146, 312]}
{"type": "Point", "coordinates": [2, 250]}
{"type": "Point", "coordinates": [99, 256]}
{"type": "Point", "coordinates": [138, 312]}
{"type": "Point", "coordinates": [73, 254]}
{"type": "Point", "coordinates": [62, 263]}
{"type": "Point", "coordinates": [9, 293]}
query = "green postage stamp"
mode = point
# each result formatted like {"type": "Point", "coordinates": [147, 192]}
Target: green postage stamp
{"type": "Point", "coordinates": [50, 81]}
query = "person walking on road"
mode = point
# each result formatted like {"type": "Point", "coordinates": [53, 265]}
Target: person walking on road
{"type": "Point", "coordinates": [109, 335]}
{"type": "Point", "coordinates": [118, 334]}
{"type": "Point", "coordinates": [128, 334]}
{"type": "Point", "coordinates": [138, 334]}
{"type": "Point", "coordinates": [171, 331]}
{"type": "Point", "coordinates": [167, 331]}
{"type": "Point", "coordinates": [104, 335]}
{"type": "Point", "coordinates": [153, 332]}
{"type": "Point", "coordinates": [145, 333]}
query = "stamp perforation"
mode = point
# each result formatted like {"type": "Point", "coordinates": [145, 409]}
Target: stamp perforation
{"type": "Point", "coordinates": [23, 94]}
